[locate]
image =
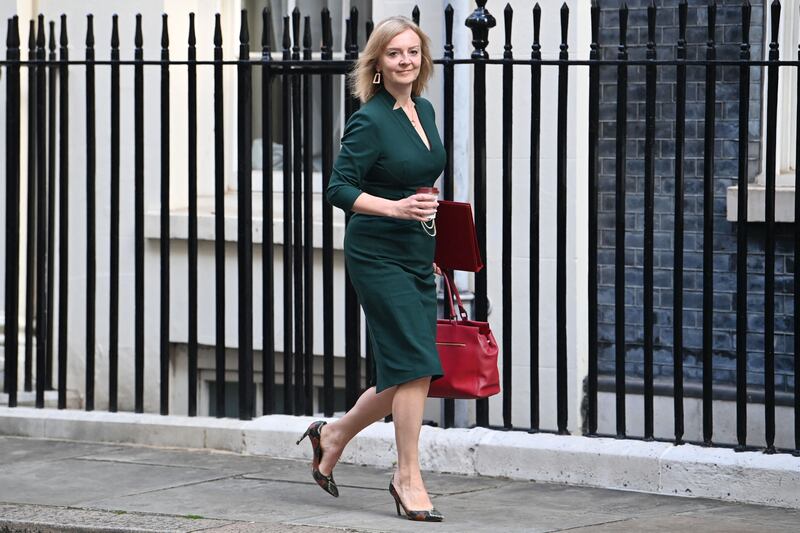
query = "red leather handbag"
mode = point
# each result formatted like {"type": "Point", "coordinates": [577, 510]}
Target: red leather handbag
{"type": "Point", "coordinates": [468, 353]}
{"type": "Point", "coordinates": [456, 240]}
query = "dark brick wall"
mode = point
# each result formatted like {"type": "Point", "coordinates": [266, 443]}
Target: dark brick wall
{"type": "Point", "coordinates": [728, 37]}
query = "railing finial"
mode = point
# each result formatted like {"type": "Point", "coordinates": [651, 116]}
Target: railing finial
{"type": "Point", "coordinates": [89, 31]}
{"type": "Point", "coordinates": [192, 36]}
{"type": "Point", "coordinates": [138, 40]}
{"type": "Point", "coordinates": [508, 17]}
{"type": "Point", "coordinates": [746, 13]}
{"type": "Point", "coordinates": [244, 31]}
{"type": "Point", "coordinates": [217, 30]}
{"type": "Point", "coordinates": [266, 28]}
{"type": "Point", "coordinates": [415, 15]}
{"type": "Point", "coordinates": [114, 31]}
{"type": "Point", "coordinates": [775, 14]}
{"type": "Point", "coordinates": [63, 32]}
{"type": "Point", "coordinates": [537, 26]}
{"type": "Point", "coordinates": [564, 26]}
{"type": "Point", "coordinates": [448, 31]}
{"type": "Point", "coordinates": [51, 42]}
{"type": "Point", "coordinates": [480, 21]}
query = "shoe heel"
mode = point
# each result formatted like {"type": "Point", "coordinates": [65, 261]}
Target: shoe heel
{"type": "Point", "coordinates": [397, 505]}
{"type": "Point", "coordinates": [304, 436]}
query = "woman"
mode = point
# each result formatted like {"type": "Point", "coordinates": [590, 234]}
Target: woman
{"type": "Point", "coordinates": [390, 147]}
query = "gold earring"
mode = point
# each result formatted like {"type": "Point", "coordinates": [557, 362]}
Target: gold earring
{"type": "Point", "coordinates": [376, 80]}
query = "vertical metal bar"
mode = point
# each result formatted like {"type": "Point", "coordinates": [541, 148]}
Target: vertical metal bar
{"type": "Point", "coordinates": [52, 71]}
{"type": "Point", "coordinates": [594, 121]}
{"type": "Point", "coordinates": [91, 247]}
{"type": "Point", "coordinates": [508, 114]}
{"type": "Point", "coordinates": [308, 225]}
{"type": "Point", "coordinates": [769, 238]}
{"type": "Point", "coordinates": [41, 215]}
{"type": "Point", "coordinates": [63, 212]}
{"type": "Point", "coordinates": [268, 246]}
{"type": "Point", "coordinates": [677, 268]}
{"type": "Point", "coordinates": [288, 303]}
{"type": "Point", "coordinates": [449, 135]}
{"type": "Point", "coordinates": [326, 88]}
{"type": "Point", "coordinates": [245, 224]}
{"type": "Point", "coordinates": [561, 231]}
{"type": "Point", "coordinates": [649, 204]}
{"type": "Point", "coordinates": [535, 179]}
{"type": "Point", "coordinates": [297, 205]}
{"type": "Point", "coordinates": [138, 194]}
{"type": "Point", "coordinates": [797, 284]}
{"type": "Point", "coordinates": [352, 312]}
{"type": "Point", "coordinates": [480, 21]}
{"type": "Point", "coordinates": [619, 260]}
{"type": "Point", "coordinates": [741, 233]}
{"type": "Point", "coordinates": [708, 225]}
{"type": "Point", "coordinates": [192, 244]}
{"type": "Point", "coordinates": [11, 348]}
{"type": "Point", "coordinates": [415, 15]}
{"type": "Point", "coordinates": [113, 314]}
{"type": "Point", "coordinates": [165, 222]}
{"type": "Point", "coordinates": [30, 246]}
{"type": "Point", "coordinates": [219, 219]}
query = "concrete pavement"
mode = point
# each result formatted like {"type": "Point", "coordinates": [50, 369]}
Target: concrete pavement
{"type": "Point", "coordinates": [57, 486]}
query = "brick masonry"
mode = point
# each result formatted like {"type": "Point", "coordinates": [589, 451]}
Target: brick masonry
{"type": "Point", "coordinates": [728, 38]}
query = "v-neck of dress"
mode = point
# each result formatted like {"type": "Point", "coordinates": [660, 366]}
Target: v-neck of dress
{"type": "Point", "coordinates": [405, 120]}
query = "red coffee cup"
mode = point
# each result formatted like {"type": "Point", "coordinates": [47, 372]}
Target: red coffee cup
{"type": "Point", "coordinates": [428, 190]}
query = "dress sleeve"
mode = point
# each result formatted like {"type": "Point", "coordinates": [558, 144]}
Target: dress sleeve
{"type": "Point", "coordinates": [358, 153]}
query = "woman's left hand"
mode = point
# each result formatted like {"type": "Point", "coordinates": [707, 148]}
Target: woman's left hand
{"type": "Point", "coordinates": [437, 270]}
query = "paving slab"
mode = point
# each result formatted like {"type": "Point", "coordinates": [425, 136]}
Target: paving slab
{"type": "Point", "coordinates": [18, 450]}
{"type": "Point", "coordinates": [74, 481]}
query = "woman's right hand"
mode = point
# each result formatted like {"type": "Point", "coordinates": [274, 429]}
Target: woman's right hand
{"type": "Point", "coordinates": [420, 207]}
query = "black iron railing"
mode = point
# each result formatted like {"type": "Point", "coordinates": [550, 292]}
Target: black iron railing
{"type": "Point", "coordinates": [300, 76]}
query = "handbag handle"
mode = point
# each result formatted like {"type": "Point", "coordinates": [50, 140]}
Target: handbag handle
{"type": "Point", "coordinates": [452, 290]}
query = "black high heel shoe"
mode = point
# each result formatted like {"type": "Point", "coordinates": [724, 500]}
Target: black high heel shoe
{"type": "Point", "coordinates": [420, 516]}
{"type": "Point", "coordinates": [326, 482]}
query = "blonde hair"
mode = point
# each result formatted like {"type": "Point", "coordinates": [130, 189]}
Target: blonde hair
{"type": "Point", "coordinates": [360, 78]}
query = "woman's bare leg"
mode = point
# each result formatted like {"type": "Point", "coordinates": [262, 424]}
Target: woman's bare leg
{"type": "Point", "coordinates": [407, 409]}
{"type": "Point", "coordinates": [370, 407]}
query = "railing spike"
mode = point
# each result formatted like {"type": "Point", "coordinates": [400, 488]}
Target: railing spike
{"type": "Point", "coordinates": [651, 25]}
{"type": "Point", "coordinates": [307, 32]}
{"type": "Point", "coordinates": [683, 15]}
{"type": "Point", "coordinates": [90, 31]}
{"type": "Point", "coordinates": [138, 39]}
{"type": "Point", "coordinates": [15, 41]}
{"type": "Point", "coordinates": [32, 35]}
{"type": "Point", "coordinates": [114, 31]}
{"type": "Point", "coordinates": [746, 13]}
{"type": "Point", "coordinates": [712, 21]}
{"type": "Point", "coordinates": [595, 22]}
{"type": "Point", "coordinates": [266, 28]}
{"type": "Point", "coordinates": [564, 26]}
{"type": "Point", "coordinates": [217, 30]}
{"type": "Point", "coordinates": [63, 41]}
{"type": "Point", "coordinates": [508, 17]}
{"type": "Point", "coordinates": [287, 38]}
{"type": "Point", "coordinates": [415, 15]}
{"type": "Point", "coordinates": [775, 10]}
{"type": "Point", "coordinates": [537, 27]}
{"type": "Point", "coordinates": [51, 42]}
{"type": "Point", "coordinates": [192, 36]}
{"type": "Point", "coordinates": [623, 26]}
{"type": "Point", "coordinates": [244, 31]}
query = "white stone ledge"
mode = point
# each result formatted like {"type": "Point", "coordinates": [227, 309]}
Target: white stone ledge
{"type": "Point", "coordinates": [179, 221]}
{"type": "Point", "coordinates": [756, 203]}
{"type": "Point", "coordinates": [654, 467]}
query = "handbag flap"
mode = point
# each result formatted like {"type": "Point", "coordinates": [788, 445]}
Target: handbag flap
{"type": "Point", "coordinates": [456, 239]}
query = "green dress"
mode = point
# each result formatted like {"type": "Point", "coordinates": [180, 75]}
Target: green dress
{"type": "Point", "coordinates": [389, 260]}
